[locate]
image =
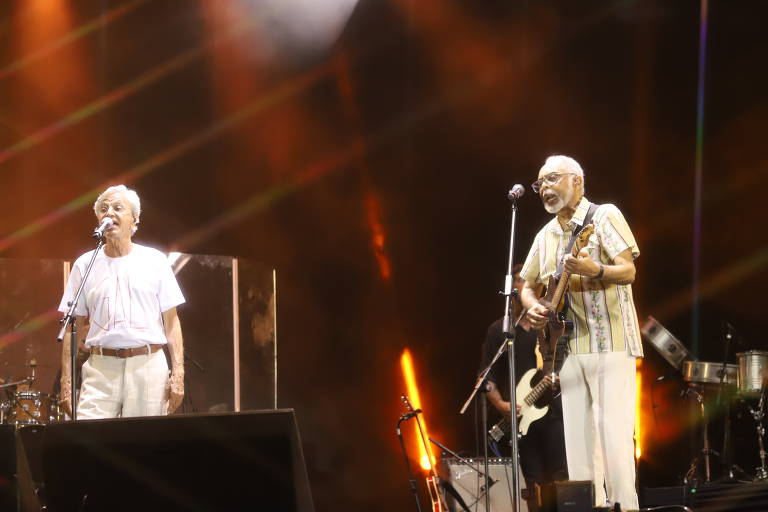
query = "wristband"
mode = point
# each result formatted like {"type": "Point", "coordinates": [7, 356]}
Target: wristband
{"type": "Point", "coordinates": [600, 272]}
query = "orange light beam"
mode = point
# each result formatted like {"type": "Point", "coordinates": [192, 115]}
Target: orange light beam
{"type": "Point", "coordinates": [344, 84]}
{"type": "Point", "coordinates": [427, 460]}
{"type": "Point", "coordinates": [82, 31]}
{"type": "Point", "coordinates": [349, 153]}
{"type": "Point", "coordinates": [159, 159]}
{"type": "Point", "coordinates": [116, 95]}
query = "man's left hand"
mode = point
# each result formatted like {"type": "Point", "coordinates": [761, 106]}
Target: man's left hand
{"type": "Point", "coordinates": [175, 391]}
{"type": "Point", "coordinates": [582, 265]}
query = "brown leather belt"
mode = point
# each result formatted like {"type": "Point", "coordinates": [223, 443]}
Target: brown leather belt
{"type": "Point", "coordinates": [126, 352]}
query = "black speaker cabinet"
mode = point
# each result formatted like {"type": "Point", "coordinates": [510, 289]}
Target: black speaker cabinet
{"type": "Point", "coordinates": [567, 496]}
{"type": "Point", "coordinates": [7, 468]}
{"type": "Point", "coordinates": [215, 462]}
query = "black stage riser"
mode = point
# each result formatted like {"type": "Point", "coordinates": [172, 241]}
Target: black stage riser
{"type": "Point", "coordinates": [246, 461]}
{"type": "Point", "coordinates": [731, 497]}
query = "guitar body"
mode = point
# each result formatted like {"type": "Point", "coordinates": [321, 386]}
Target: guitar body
{"type": "Point", "coordinates": [555, 328]}
{"type": "Point", "coordinates": [528, 412]}
{"type": "Point", "coordinates": [534, 394]}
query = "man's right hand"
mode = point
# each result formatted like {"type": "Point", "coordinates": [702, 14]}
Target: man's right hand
{"type": "Point", "coordinates": [537, 315]}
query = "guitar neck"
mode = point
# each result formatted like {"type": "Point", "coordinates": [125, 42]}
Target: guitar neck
{"type": "Point", "coordinates": [536, 392]}
{"type": "Point", "coordinates": [562, 285]}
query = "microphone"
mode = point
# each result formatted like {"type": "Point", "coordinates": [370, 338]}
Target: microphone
{"type": "Point", "coordinates": [410, 414]}
{"type": "Point", "coordinates": [516, 192]}
{"type": "Point", "coordinates": [106, 223]}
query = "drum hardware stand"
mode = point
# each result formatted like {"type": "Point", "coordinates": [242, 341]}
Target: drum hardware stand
{"type": "Point", "coordinates": [13, 400]}
{"type": "Point", "coordinates": [761, 474]}
{"type": "Point", "coordinates": [706, 451]}
{"type": "Point", "coordinates": [509, 332]}
{"type": "Point", "coordinates": [729, 467]}
{"type": "Point", "coordinates": [69, 320]}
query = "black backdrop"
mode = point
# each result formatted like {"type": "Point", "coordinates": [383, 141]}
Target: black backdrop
{"type": "Point", "coordinates": [394, 144]}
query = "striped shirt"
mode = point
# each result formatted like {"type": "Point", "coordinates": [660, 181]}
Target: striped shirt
{"type": "Point", "coordinates": [603, 314]}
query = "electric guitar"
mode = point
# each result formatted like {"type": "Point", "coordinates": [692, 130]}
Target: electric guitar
{"type": "Point", "coordinates": [435, 496]}
{"type": "Point", "coordinates": [550, 339]}
{"type": "Point", "coordinates": [554, 301]}
{"type": "Point", "coordinates": [528, 396]}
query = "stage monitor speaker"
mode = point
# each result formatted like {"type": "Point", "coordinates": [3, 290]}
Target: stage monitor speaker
{"type": "Point", "coordinates": [469, 484]}
{"type": "Point", "coordinates": [7, 468]}
{"type": "Point", "coordinates": [213, 462]}
{"type": "Point", "coordinates": [566, 496]}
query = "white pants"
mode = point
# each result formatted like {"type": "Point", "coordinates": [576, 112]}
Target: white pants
{"type": "Point", "coordinates": [116, 387]}
{"type": "Point", "coordinates": [599, 420]}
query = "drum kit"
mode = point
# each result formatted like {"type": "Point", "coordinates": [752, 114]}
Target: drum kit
{"type": "Point", "coordinates": [23, 405]}
{"type": "Point", "coordinates": [744, 383]}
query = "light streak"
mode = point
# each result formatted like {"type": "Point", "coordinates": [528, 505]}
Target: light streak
{"type": "Point", "coordinates": [411, 386]}
{"type": "Point", "coordinates": [27, 328]}
{"type": "Point", "coordinates": [698, 179]}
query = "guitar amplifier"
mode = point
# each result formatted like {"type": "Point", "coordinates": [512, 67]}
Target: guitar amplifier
{"type": "Point", "coordinates": [470, 485]}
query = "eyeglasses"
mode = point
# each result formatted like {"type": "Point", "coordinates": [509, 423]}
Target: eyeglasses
{"type": "Point", "coordinates": [549, 179]}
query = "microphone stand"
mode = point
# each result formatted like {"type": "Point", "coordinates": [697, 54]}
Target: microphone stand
{"type": "Point", "coordinates": [509, 335]}
{"type": "Point", "coordinates": [69, 319]}
{"type": "Point", "coordinates": [411, 479]}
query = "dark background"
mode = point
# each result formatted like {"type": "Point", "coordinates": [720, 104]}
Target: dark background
{"type": "Point", "coordinates": [370, 168]}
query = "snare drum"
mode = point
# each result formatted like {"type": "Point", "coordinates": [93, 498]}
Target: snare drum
{"type": "Point", "coordinates": [753, 370]}
{"type": "Point", "coordinates": [31, 408]}
{"type": "Point", "coordinates": [703, 372]}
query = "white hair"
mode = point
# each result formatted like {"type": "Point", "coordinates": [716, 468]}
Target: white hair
{"type": "Point", "coordinates": [562, 163]}
{"type": "Point", "coordinates": [130, 195]}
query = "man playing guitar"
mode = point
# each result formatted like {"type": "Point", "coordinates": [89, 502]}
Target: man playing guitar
{"type": "Point", "coordinates": [542, 449]}
{"type": "Point", "coordinates": [598, 376]}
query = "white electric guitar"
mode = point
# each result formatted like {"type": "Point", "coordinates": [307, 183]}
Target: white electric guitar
{"type": "Point", "coordinates": [527, 395]}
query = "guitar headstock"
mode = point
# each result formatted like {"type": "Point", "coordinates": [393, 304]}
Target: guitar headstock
{"type": "Point", "coordinates": [407, 403]}
{"type": "Point", "coordinates": [582, 238]}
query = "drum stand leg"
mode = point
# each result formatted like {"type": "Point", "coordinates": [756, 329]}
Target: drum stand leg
{"type": "Point", "coordinates": [761, 474]}
{"type": "Point", "coordinates": [706, 451]}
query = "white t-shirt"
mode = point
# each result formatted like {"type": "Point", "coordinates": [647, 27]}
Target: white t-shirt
{"type": "Point", "coordinates": [124, 297]}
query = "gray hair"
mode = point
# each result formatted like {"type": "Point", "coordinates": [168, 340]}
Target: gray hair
{"type": "Point", "coordinates": [561, 162]}
{"type": "Point", "coordinates": [130, 195]}
{"type": "Point", "coordinates": [564, 163]}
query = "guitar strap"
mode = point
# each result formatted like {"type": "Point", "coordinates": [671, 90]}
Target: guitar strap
{"type": "Point", "coordinates": [587, 220]}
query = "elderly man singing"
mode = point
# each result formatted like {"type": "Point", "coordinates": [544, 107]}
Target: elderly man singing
{"type": "Point", "coordinates": [598, 376]}
{"type": "Point", "coordinates": [129, 300]}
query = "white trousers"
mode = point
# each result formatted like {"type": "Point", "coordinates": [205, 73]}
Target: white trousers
{"type": "Point", "coordinates": [115, 387]}
{"type": "Point", "coordinates": [599, 422]}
